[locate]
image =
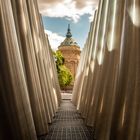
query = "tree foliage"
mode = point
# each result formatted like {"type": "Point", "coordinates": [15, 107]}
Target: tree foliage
{"type": "Point", "coordinates": [64, 74]}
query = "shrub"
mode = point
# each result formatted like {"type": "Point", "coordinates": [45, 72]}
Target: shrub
{"type": "Point", "coordinates": [64, 75]}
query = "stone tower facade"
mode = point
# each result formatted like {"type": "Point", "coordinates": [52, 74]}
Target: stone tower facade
{"type": "Point", "coordinates": [71, 52]}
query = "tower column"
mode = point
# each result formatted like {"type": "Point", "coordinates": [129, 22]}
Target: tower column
{"type": "Point", "coordinates": [71, 52]}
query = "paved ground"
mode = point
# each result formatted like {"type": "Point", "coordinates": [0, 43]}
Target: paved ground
{"type": "Point", "coordinates": [68, 125]}
{"type": "Point", "coordinates": [66, 96]}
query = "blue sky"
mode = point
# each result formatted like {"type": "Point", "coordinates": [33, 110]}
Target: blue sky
{"type": "Point", "coordinates": [57, 14]}
{"type": "Point", "coordinates": [79, 30]}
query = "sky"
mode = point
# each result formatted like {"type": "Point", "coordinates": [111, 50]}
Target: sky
{"type": "Point", "coordinates": [57, 14]}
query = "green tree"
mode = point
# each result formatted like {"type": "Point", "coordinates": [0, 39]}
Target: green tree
{"type": "Point", "coordinates": [64, 74]}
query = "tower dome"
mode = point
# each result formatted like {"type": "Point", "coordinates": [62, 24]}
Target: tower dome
{"type": "Point", "coordinates": [69, 41]}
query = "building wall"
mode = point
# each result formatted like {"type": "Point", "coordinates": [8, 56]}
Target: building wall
{"type": "Point", "coordinates": [72, 56]}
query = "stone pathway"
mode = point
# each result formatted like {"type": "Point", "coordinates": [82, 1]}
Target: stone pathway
{"type": "Point", "coordinates": [68, 125]}
{"type": "Point", "coordinates": [66, 96]}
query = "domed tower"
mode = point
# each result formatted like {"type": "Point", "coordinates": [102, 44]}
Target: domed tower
{"type": "Point", "coordinates": [71, 52]}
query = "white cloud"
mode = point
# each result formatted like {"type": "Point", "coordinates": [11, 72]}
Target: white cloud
{"type": "Point", "coordinates": [70, 9]}
{"type": "Point", "coordinates": [92, 16]}
{"type": "Point", "coordinates": [54, 39]}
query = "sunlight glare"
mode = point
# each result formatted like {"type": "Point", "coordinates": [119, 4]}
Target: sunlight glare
{"type": "Point", "coordinates": [111, 44]}
{"type": "Point", "coordinates": [134, 13]}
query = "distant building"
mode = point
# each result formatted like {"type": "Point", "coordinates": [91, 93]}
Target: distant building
{"type": "Point", "coordinates": [71, 52]}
